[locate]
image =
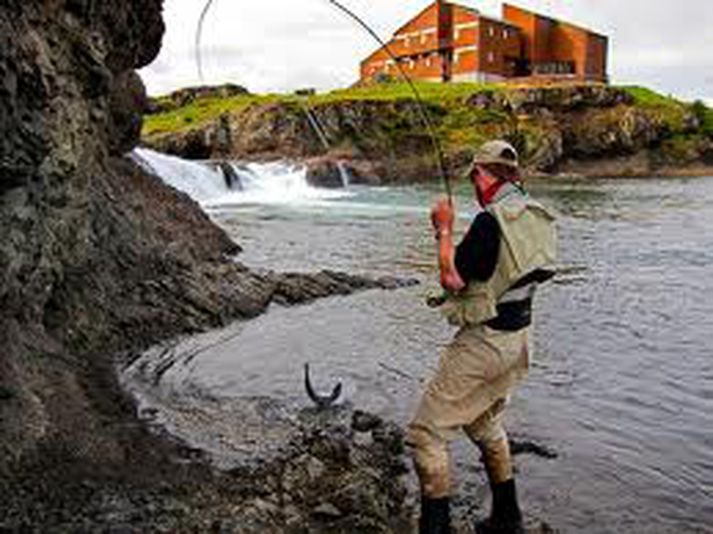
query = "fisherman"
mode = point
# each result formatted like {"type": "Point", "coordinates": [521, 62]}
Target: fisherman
{"type": "Point", "coordinates": [489, 281]}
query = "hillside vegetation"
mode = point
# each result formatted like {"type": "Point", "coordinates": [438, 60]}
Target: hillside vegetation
{"type": "Point", "coordinates": [562, 128]}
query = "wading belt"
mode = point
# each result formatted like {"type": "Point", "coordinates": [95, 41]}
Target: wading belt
{"type": "Point", "coordinates": [515, 306]}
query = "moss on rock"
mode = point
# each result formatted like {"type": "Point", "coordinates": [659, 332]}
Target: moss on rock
{"type": "Point", "coordinates": [382, 123]}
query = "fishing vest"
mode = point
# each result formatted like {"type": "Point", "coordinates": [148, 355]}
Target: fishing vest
{"type": "Point", "coordinates": [528, 242]}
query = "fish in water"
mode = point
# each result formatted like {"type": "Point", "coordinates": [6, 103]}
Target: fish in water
{"type": "Point", "coordinates": [322, 401]}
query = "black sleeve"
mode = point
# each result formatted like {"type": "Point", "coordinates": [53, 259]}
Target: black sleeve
{"type": "Point", "coordinates": [477, 254]}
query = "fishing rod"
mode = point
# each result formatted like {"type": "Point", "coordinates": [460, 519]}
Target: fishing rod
{"type": "Point", "coordinates": [419, 101]}
{"type": "Point", "coordinates": [420, 106]}
{"type": "Point", "coordinates": [199, 35]}
{"type": "Point", "coordinates": [325, 401]}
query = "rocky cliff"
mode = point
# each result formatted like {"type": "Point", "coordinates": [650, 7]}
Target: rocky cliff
{"type": "Point", "coordinates": [71, 103]}
{"type": "Point", "coordinates": [99, 259]}
{"type": "Point", "coordinates": [574, 129]}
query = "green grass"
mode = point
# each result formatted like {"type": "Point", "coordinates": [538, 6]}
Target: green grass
{"type": "Point", "coordinates": [649, 98]}
{"type": "Point", "coordinates": [669, 109]}
{"type": "Point", "coordinates": [430, 92]}
{"type": "Point", "coordinates": [199, 112]}
{"type": "Point", "coordinates": [707, 126]}
{"type": "Point", "coordinates": [208, 109]}
{"type": "Point", "coordinates": [465, 126]}
{"type": "Point", "coordinates": [456, 123]}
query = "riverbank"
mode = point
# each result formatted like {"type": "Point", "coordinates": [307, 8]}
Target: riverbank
{"type": "Point", "coordinates": [616, 359]}
{"type": "Point", "coordinates": [376, 132]}
{"type": "Point", "coordinates": [99, 260]}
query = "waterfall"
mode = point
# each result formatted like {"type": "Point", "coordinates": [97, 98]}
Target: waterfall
{"type": "Point", "coordinates": [214, 184]}
{"type": "Point", "coordinates": [343, 173]}
{"type": "Point", "coordinates": [200, 181]}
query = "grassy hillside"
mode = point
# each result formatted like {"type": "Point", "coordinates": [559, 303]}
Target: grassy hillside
{"type": "Point", "coordinates": [669, 109]}
{"type": "Point", "coordinates": [550, 125]}
{"type": "Point", "coordinates": [689, 124]}
{"type": "Point", "coordinates": [208, 109]}
{"type": "Point", "coordinates": [450, 96]}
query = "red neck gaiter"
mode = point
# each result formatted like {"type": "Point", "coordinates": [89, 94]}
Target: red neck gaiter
{"type": "Point", "coordinates": [487, 196]}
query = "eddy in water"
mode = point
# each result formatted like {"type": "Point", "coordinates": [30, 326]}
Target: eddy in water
{"type": "Point", "coordinates": [490, 280]}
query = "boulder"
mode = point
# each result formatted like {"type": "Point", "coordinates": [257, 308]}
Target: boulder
{"type": "Point", "coordinates": [188, 95]}
{"type": "Point", "coordinates": [326, 173]}
{"type": "Point", "coordinates": [232, 178]}
{"type": "Point", "coordinates": [333, 172]}
{"type": "Point", "coordinates": [618, 131]}
{"type": "Point", "coordinates": [561, 98]}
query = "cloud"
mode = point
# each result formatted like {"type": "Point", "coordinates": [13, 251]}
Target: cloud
{"type": "Point", "coordinates": [277, 45]}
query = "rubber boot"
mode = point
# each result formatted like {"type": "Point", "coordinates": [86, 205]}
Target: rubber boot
{"type": "Point", "coordinates": [435, 516]}
{"type": "Point", "coordinates": [505, 516]}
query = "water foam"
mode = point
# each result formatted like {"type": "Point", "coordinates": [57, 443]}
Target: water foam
{"type": "Point", "coordinates": [258, 183]}
{"type": "Point", "coordinates": [276, 183]}
{"type": "Point", "coordinates": [199, 180]}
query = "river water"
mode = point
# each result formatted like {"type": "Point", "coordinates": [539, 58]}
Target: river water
{"type": "Point", "coordinates": [622, 380]}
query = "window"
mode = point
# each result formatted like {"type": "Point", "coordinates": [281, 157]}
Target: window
{"type": "Point", "coordinates": [491, 31]}
{"type": "Point", "coordinates": [506, 34]}
{"type": "Point", "coordinates": [491, 57]}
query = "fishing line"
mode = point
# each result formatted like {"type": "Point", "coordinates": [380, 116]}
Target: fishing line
{"type": "Point", "coordinates": [419, 101]}
{"type": "Point", "coordinates": [420, 106]}
{"type": "Point", "coordinates": [199, 34]}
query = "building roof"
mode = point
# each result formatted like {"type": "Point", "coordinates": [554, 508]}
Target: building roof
{"type": "Point", "coordinates": [467, 8]}
{"type": "Point", "coordinates": [558, 21]}
{"type": "Point", "coordinates": [455, 4]}
{"type": "Point", "coordinates": [429, 6]}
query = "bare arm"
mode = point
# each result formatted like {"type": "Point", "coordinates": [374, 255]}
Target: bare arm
{"type": "Point", "coordinates": [442, 216]}
{"type": "Point", "coordinates": [450, 279]}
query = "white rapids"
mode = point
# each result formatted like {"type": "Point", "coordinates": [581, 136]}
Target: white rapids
{"type": "Point", "coordinates": [258, 183]}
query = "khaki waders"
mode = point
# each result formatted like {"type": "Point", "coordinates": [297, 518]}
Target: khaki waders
{"type": "Point", "coordinates": [476, 374]}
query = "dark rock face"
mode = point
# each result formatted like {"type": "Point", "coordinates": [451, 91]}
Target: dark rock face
{"type": "Point", "coordinates": [274, 129]}
{"type": "Point", "coordinates": [298, 288]}
{"type": "Point", "coordinates": [378, 141]}
{"type": "Point", "coordinates": [232, 178]}
{"type": "Point", "coordinates": [326, 172]}
{"type": "Point", "coordinates": [98, 258]}
{"type": "Point", "coordinates": [618, 131]}
{"type": "Point", "coordinates": [707, 151]}
{"type": "Point", "coordinates": [562, 99]}
{"type": "Point", "coordinates": [63, 65]}
{"type": "Point", "coordinates": [127, 102]}
{"type": "Point", "coordinates": [334, 172]}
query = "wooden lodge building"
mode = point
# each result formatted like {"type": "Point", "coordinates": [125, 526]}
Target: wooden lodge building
{"type": "Point", "coordinates": [449, 42]}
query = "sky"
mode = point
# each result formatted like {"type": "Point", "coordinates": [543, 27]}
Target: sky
{"type": "Point", "coordinates": [282, 45]}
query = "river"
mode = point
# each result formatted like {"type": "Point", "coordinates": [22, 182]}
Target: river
{"type": "Point", "coordinates": [622, 380]}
